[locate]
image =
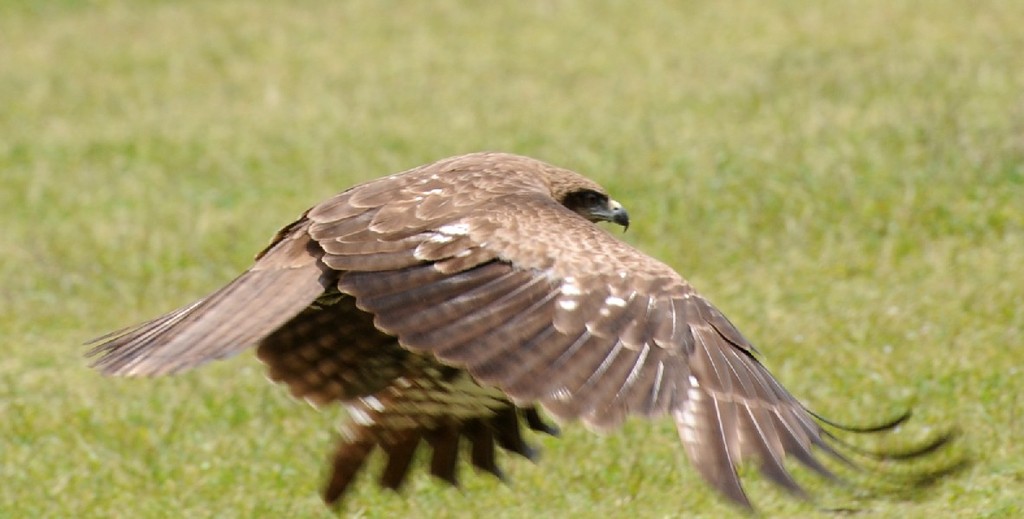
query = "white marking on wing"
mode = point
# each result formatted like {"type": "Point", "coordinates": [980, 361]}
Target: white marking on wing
{"type": "Point", "coordinates": [605, 364]}
{"type": "Point", "coordinates": [615, 301]}
{"type": "Point", "coordinates": [568, 304]}
{"type": "Point", "coordinates": [687, 420]}
{"type": "Point", "coordinates": [656, 387]}
{"type": "Point", "coordinates": [456, 229]}
{"type": "Point", "coordinates": [570, 289]}
{"type": "Point", "coordinates": [635, 372]}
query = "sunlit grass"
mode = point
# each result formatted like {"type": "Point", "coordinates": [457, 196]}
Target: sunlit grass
{"type": "Point", "coordinates": [844, 180]}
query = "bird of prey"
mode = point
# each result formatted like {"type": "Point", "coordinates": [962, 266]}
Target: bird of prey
{"type": "Point", "coordinates": [446, 304]}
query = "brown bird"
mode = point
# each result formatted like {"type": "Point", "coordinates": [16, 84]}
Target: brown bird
{"type": "Point", "coordinates": [448, 302]}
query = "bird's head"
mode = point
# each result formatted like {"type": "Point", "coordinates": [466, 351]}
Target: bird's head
{"type": "Point", "coordinates": [584, 196]}
{"type": "Point", "coordinates": [596, 207]}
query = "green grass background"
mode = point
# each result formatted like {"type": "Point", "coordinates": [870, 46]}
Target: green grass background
{"type": "Point", "coordinates": [844, 179]}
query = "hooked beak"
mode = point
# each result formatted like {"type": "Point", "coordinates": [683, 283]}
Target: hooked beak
{"type": "Point", "coordinates": [615, 213]}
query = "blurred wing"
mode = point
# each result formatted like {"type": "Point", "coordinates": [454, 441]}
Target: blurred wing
{"type": "Point", "coordinates": [285, 279]}
{"type": "Point", "coordinates": [536, 301]}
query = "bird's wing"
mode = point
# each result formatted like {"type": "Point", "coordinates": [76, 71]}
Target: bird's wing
{"type": "Point", "coordinates": [285, 279]}
{"type": "Point", "coordinates": [288, 275]}
{"type": "Point", "coordinates": [532, 299]}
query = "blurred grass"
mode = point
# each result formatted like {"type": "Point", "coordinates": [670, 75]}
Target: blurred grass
{"type": "Point", "coordinates": [845, 180]}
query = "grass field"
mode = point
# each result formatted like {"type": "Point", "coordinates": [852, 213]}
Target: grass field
{"type": "Point", "coordinates": [845, 180]}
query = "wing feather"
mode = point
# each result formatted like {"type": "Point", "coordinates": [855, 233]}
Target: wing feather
{"type": "Point", "coordinates": [515, 353]}
{"type": "Point", "coordinates": [500, 343]}
{"type": "Point", "coordinates": [477, 327]}
{"type": "Point", "coordinates": [531, 299]}
{"type": "Point", "coordinates": [598, 388]}
{"type": "Point", "coordinates": [461, 307]}
{"type": "Point", "coordinates": [228, 320]}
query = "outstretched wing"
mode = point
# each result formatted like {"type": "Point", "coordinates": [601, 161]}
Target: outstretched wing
{"type": "Point", "coordinates": [289, 275]}
{"type": "Point", "coordinates": [285, 279]}
{"type": "Point", "coordinates": [536, 301]}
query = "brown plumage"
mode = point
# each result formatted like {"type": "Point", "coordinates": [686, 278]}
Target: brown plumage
{"type": "Point", "coordinates": [442, 304]}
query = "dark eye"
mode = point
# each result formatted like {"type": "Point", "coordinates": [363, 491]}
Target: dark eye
{"type": "Point", "coordinates": [591, 198]}
{"type": "Point", "coordinates": [585, 199]}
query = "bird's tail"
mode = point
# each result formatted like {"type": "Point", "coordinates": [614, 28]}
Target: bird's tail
{"type": "Point", "coordinates": [441, 407]}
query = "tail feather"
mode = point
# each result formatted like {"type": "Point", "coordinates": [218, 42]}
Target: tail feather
{"type": "Point", "coordinates": [435, 406]}
{"type": "Point", "coordinates": [348, 459]}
